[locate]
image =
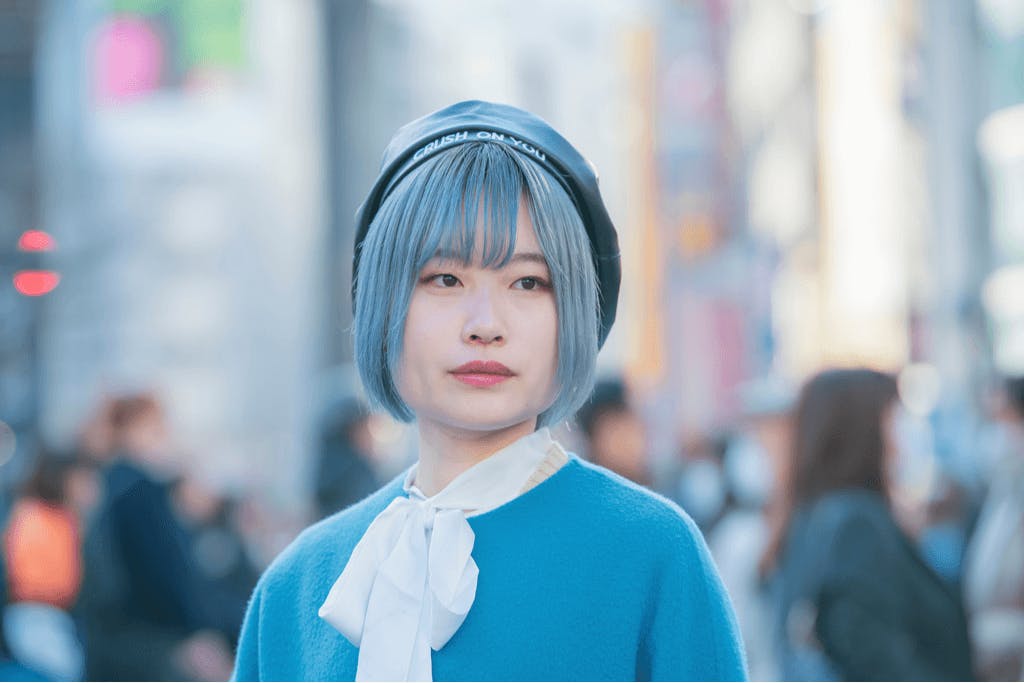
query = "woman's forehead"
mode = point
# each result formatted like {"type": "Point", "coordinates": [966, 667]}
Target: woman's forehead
{"type": "Point", "coordinates": [518, 240]}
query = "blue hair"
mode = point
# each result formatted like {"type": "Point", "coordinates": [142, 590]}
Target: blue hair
{"type": "Point", "coordinates": [438, 209]}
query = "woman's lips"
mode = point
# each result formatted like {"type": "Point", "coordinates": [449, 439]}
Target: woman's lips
{"type": "Point", "coordinates": [480, 373]}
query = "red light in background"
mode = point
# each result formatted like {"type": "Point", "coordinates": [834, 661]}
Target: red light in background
{"type": "Point", "coordinates": [36, 282]}
{"type": "Point", "coordinates": [36, 240]}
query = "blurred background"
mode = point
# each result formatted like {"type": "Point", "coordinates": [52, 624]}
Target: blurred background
{"type": "Point", "coordinates": [797, 184]}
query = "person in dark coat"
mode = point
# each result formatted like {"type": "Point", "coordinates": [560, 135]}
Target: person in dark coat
{"type": "Point", "coordinates": [228, 573]}
{"type": "Point", "coordinates": [142, 602]}
{"type": "Point", "coordinates": [854, 598]}
{"type": "Point", "coordinates": [344, 472]}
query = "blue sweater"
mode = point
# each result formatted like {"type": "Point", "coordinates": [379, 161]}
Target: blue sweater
{"type": "Point", "coordinates": [586, 576]}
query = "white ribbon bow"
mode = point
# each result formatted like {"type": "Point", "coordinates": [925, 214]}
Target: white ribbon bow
{"type": "Point", "coordinates": [411, 579]}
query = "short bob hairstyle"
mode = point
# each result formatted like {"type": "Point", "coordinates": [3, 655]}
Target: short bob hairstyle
{"type": "Point", "coordinates": [438, 208]}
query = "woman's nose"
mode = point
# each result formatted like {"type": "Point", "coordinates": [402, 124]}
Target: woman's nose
{"type": "Point", "coordinates": [484, 323]}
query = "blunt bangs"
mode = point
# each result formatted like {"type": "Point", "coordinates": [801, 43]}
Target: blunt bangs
{"type": "Point", "coordinates": [440, 209]}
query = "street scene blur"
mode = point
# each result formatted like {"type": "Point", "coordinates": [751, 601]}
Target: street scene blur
{"type": "Point", "coordinates": [820, 208]}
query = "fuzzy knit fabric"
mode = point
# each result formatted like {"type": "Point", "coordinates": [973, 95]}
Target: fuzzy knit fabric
{"type": "Point", "coordinates": [584, 577]}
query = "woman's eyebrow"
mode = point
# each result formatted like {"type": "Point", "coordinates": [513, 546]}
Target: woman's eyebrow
{"type": "Point", "coordinates": [530, 257]}
{"type": "Point", "coordinates": [445, 257]}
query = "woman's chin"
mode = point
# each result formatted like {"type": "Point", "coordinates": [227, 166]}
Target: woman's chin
{"type": "Point", "coordinates": [478, 420]}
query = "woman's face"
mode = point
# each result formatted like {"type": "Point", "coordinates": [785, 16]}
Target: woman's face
{"type": "Point", "coordinates": [480, 349]}
{"type": "Point", "coordinates": [148, 436]}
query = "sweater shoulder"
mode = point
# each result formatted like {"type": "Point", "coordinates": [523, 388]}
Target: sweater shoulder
{"type": "Point", "coordinates": [625, 508]}
{"type": "Point", "coordinates": [605, 488]}
{"type": "Point", "coordinates": [323, 548]}
{"type": "Point", "coordinates": [685, 621]}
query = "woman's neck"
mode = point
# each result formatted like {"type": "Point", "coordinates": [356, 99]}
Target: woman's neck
{"type": "Point", "coordinates": [446, 452]}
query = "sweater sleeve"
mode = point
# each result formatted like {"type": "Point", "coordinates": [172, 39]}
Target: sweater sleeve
{"type": "Point", "coordinates": [691, 630]}
{"type": "Point", "coordinates": [247, 658]}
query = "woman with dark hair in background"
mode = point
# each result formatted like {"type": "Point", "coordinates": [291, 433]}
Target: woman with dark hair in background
{"type": "Point", "coordinates": [854, 598]}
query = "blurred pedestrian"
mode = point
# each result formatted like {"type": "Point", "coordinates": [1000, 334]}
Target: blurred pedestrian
{"type": "Point", "coordinates": [697, 481]}
{"type": "Point", "coordinates": [220, 553]}
{"type": "Point", "coordinates": [994, 566]}
{"type": "Point", "coordinates": [855, 600]}
{"type": "Point", "coordinates": [42, 555]}
{"type": "Point", "coordinates": [943, 533]}
{"type": "Point", "coordinates": [143, 610]}
{"type": "Point", "coordinates": [750, 470]}
{"type": "Point", "coordinates": [345, 471]}
{"type": "Point", "coordinates": [94, 442]}
{"type": "Point", "coordinates": [616, 437]}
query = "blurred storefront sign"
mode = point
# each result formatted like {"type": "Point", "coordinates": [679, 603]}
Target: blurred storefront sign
{"type": "Point", "coordinates": [771, 107]}
{"type": "Point", "coordinates": [142, 46]}
{"type": "Point", "coordinates": [1001, 143]}
{"type": "Point", "coordinates": [862, 162]}
{"type": "Point", "coordinates": [703, 345]}
{"type": "Point", "coordinates": [644, 357]}
{"type": "Point", "coordinates": [1003, 297]}
{"type": "Point", "coordinates": [1001, 147]}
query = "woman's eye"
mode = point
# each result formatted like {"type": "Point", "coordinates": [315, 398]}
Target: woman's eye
{"type": "Point", "coordinates": [445, 280]}
{"type": "Point", "coordinates": [530, 283]}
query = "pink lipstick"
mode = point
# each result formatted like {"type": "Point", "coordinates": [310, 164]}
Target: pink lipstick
{"type": "Point", "coordinates": [480, 373]}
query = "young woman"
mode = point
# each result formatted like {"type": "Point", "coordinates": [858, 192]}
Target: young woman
{"type": "Point", "coordinates": [855, 600]}
{"type": "Point", "coordinates": [485, 279]}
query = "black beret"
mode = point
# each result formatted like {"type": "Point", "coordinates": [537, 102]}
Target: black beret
{"type": "Point", "coordinates": [530, 135]}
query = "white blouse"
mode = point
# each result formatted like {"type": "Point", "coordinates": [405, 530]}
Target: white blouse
{"type": "Point", "coordinates": [411, 579]}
